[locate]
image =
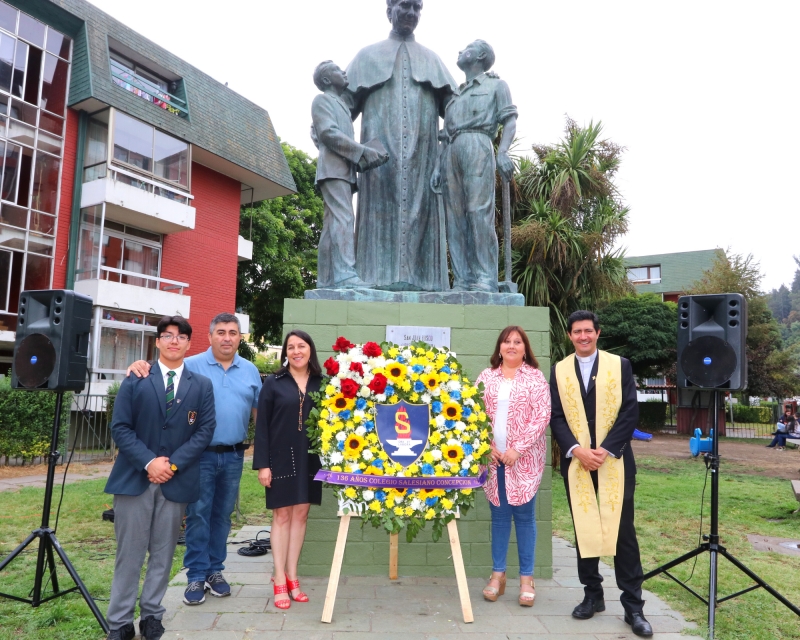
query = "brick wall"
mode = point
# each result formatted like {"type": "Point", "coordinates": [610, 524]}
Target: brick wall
{"type": "Point", "coordinates": [473, 332]}
{"type": "Point", "coordinates": [207, 256]}
{"type": "Point", "coordinates": [65, 204]}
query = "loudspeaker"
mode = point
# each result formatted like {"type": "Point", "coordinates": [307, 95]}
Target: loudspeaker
{"type": "Point", "coordinates": [52, 345]}
{"type": "Point", "coordinates": [712, 330]}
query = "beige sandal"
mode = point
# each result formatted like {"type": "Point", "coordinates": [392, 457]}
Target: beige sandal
{"type": "Point", "coordinates": [491, 593]}
{"type": "Point", "coordinates": [526, 598]}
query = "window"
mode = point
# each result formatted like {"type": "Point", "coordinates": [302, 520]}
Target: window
{"type": "Point", "coordinates": [124, 338]}
{"type": "Point", "coordinates": [645, 275]}
{"type": "Point", "coordinates": [34, 76]}
{"type": "Point", "coordinates": [145, 83]}
{"type": "Point", "coordinates": [112, 251]}
{"type": "Point", "coordinates": [140, 146]}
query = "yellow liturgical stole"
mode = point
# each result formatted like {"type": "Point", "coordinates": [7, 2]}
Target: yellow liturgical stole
{"type": "Point", "coordinates": [596, 515]}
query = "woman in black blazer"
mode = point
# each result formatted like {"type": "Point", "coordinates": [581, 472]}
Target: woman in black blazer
{"type": "Point", "coordinates": [281, 455]}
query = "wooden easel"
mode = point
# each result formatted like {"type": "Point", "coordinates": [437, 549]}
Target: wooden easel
{"type": "Point", "coordinates": [338, 557]}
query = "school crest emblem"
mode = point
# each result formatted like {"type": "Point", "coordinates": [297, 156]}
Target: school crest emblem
{"type": "Point", "coordinates": [403, 430]}
{"type": "Point", "coordinates": [192, 417]}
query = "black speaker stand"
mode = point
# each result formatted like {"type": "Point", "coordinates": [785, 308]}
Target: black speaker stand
{"type": "Point", "coordinates": [711, 542]}
{"type": "Point", "coordinates": [45, 562]}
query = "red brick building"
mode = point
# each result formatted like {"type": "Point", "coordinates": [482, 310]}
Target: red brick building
{"type": "Point", "coordinates": [123, 173]}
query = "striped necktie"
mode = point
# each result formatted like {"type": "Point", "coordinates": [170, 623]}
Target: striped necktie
{"type": "Point", "coordinates": [170, 390]}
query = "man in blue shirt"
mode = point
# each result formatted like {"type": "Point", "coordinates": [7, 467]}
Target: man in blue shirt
{"type": "Point", "coordinates": [236, 384]}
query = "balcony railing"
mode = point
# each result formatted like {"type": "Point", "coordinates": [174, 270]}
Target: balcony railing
{"type": "Point", "coordinates": [103, 169]}
{"type": "Point", "coordinates": [143, 88]}
{"type": "Point", "coordinates": [120, 275]}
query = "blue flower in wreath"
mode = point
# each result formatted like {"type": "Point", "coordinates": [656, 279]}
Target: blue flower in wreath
{"type": "Point", "coordinates": [419, 387]}
{"type": "Point", "coordinates": [436, 406]}
{"type": "Point", "coordinates": [427, 469]}
{"type": "Point", "coordinates": [401, 359]}
{"type": "Point", "coordinates": [369, 425]}
{"type": "Point", "coordinates": [431, 501]}
{"type": "Point", "coordinates": [455, 395]}
{"type": "Point", "coordinates": [467, 449]}
{"type": "Point", "coordinates": [418, 368]}
{"type": "Point", "coordinates": [377, 463]}
{"type": "Point", "coordinates": [361, 404]}
{"type": "Point", "coordinates": [389, 391]}
{"type": "Point", "coordinates": [340, 445]}
{"type": "Point", "coordinates": [449, 424]}
{"type": "Point", "coordinates": [445, 369]}
{"type": "Point", "coordinates": [380, 495]}
{"type": "Point", "coordinates": [463, 472]}
{"type": "Point", "coordinates": [345, 415]}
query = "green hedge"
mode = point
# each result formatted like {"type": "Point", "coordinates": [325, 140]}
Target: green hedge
{"type": "Point", "coordinates": [652, 415]}
{"type": "Point", "coordinates": [743, 413]}
{"type": "Point", "coordinates": [26, 421]}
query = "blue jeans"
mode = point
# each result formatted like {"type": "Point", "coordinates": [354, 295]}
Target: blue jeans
{"type": "Point", "coordinates": [524, 523]}
{"type": "Point", "coordinates": [208, 521]}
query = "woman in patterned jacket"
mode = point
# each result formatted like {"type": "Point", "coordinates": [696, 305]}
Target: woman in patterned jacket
{"type": "Point", "coordinates": [517, 400]}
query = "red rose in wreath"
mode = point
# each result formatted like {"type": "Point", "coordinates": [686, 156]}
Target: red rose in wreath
{"type": "Point", "coordinates": [378, 384]}
{"type": "Point", "coordinates": [331, 367]}
{"type": "Point", "coordinates": [349, 388]}
{"type": "Point", "coordinates": [343, 344]}
{"type": "Point", "coordinates": [356, 366]}
{"type": "Point", "coordinates": [372, 350]}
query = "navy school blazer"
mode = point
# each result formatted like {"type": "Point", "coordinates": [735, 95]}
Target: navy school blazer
{"type": "Point", "coordinates": [142, 431]}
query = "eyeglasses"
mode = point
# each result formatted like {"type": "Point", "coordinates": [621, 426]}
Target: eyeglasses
{"type": "Point", "coordinates": [171, 337]}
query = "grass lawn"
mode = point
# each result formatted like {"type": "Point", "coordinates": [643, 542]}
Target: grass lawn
{"type": "Point", "coordinates": [89, 543]}
{"type": "Point", "coordinates": [668, 494]}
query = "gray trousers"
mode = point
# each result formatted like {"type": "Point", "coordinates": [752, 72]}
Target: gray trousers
{"type": "Point", "coordinates": [336, 256]}
{"type": "Point", "coordinates": [142, 524]}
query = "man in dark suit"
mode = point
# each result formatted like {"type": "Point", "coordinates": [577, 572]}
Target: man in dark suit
{"type": "Point", "coordinates": [162, 423]}
{"type": "Point", "coordinates": [594, 434]}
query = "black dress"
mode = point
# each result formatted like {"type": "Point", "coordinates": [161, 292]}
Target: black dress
{"type": "Point", "coordinates": [282, 444]}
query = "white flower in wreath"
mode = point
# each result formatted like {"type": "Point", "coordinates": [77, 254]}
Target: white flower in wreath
{"type": "Point", "coordinates": [360, 430]}
{"type": "Point", "coordinates": [368, 495]}
{"type": "Point", "coordinates": [426, 398]}
{"type": "Point", "coordinates": [436, 392]}
{"type": "Point", "coordinates": [336, 457]}
{"type": "Point", "coordinates": [469, 458]}
{"type": "Point", "coordinates": [367, 454]}
{"type": "Point", "coordinates": [398, 500]}
{"type": "Point", "coordinates": [416, 504]}
{"type": "Point", "coordinates": [437, 454]}
{"type": "Point", "coordinates": [342, 374]}
{"type": "Point", "coordinates": [461, 425]}
{"type": "Point", "coordinates": [469, 402]}
{"type": "Point", "coordinates": [341, 436]}
{"type": "Point", "coordinates": [454, 385]}
{"type": "Point", "coordinates": [465, 464]}
{"type": "Point", "coordinates": [354, 468]}
{"type": "Point", "coordinates": [380, 397]}
{"type": "Point", "coordinates": [336, 382]}
{"type": "Point", "coordinates": [407, 354]}
{"type": "Point", "coordinates": [440, 420]}
{"type": "Point", "coordinates": [364, 392]}
{"type": "Point", "coordinates": [476, 443]}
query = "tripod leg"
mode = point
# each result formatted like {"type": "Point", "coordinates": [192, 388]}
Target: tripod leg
{"type": "Point", "coordinates": [712, 594]}
{"type": "Point", "coordinates": [760, 582]}
{"type": "Point", "coordinates": [18, 550]}
{"type": "Point", "coordinates": [79, 583]}
{"type": "Point", "coordinates": [51, 563]}
{"type": "Point", "coordinates": [37, 579]}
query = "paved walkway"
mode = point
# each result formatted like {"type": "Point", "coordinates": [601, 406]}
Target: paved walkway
{"type": "Point", "coordinates": [90, 472]}
{"type": "Point", "coordinates": [404, 609]}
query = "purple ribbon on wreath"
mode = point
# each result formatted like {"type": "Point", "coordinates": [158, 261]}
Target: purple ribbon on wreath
{"type": "Point", "coordinates": [394, 482]}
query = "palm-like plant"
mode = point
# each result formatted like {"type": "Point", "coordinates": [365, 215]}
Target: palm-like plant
{"type": "Point", "coordinates": [568, 217]}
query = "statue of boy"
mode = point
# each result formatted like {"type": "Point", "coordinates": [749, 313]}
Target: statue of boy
{"type": "Point", "coordinates": [466, 171]}
{"type": "Point", "coordinates": [339, 153]}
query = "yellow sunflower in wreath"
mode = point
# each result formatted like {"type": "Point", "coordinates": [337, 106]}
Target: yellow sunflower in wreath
{"type": "Point", "coordinates": [340, 403]}
{"type": "Point", "coordinates": [452, 411]}
{"type": "Point", "coordinates": [452, 453]}
{"type": "Point", "coordinates": [395, 372]}
{"type": "Point", "coordinates": [353, 445]}
{"type": "Point", "coordinates": [430, 380]}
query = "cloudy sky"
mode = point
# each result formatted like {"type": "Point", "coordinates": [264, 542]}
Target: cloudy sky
{"type": "Point", "coordinates": [703, 95]}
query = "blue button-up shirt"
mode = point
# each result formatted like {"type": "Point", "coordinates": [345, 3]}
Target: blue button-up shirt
{"type": "Point", "coordinates": [235, 394]}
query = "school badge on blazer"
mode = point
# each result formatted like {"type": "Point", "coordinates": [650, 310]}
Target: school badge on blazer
{"type": "Point", "coordinates": [403, 430]}
{"type": "Point", "coordinates": [192, 417]}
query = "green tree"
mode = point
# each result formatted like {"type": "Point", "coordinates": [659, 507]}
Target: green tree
{"type": "Point", "coordinates": [771, 370]}
{"type": "Point", "coordinates": [644, 330]}
{"type": "Point", "coordinates": [285, 235]}
{"type": "Point", "coordinates": [780, 303]}
{"type": "Point", "coordinates": [568, 216]}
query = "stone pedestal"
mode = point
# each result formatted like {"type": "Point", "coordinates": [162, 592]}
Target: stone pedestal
{"type": "Point", "coordinates": [474, 330]}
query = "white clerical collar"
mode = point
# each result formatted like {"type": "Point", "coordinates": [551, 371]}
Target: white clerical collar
{"type": "Point", "coordinates": [586, 359]}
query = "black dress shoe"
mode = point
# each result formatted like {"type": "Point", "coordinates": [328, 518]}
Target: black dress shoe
{"type": "Point", "coordinates": [639, 625]}
{"type": "Point", "coordinates": [587, 608]}
{"type": "Point", "coordinates": [123, 633]}
{"type": "Point", "coordinates": [151, 628]}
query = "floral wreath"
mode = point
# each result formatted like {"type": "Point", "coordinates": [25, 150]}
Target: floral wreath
{"type": "Point", "coordinates": [342, 430]}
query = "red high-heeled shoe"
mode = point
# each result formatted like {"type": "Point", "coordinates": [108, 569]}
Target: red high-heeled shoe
{"type": "Point", "coordinates": [295, 584]}
{"type": "Point", "coordinates": [278, 589]}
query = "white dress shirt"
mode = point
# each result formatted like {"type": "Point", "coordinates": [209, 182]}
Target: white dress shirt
{"type": "Point", "coordinates": [585, 363]}
{"type": "Point", "coordinates": [175, 381]}
{"type": "Point", "coordinates": [500, 426]}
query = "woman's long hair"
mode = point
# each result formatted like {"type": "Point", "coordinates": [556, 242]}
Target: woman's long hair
{"type": "Point", "coordinates": [313, 363]}
{"type": "Point", "coordinates": [529, 358]}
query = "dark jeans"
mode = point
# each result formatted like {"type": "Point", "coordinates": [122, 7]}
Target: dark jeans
{"type": "Point", "coordinates": [525, 523]}
{"type": "Point", "coordinates": [627, 563]}
{"type": "Point", "coordinates": [208, 521]}
{"type": "Point", "coordinates": [781, 438]}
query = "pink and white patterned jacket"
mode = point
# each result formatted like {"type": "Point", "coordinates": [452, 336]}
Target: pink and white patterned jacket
{"type": "Point", "coordinates": [528, 417]}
